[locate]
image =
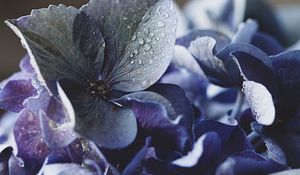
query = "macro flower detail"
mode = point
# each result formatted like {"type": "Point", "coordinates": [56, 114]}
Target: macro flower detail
{"type": "Point", "coordinates": [90, 56]}
{"type": "Point", "coordinates": [207, 87]}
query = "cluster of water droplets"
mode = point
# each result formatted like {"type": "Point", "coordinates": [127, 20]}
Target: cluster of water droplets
{"type": "Point", "coordinates": [151, 46]}
{"type": "Point", "coordinates": [260, 101]}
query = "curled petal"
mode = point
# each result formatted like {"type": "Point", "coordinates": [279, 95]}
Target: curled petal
{"type": "Point", "coordinates": [261, 102]}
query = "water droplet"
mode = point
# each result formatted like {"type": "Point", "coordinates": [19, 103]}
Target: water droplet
{"type": "Point", "coordinates": [141, 41]}
{"type": "Point", "coordinates": [145, 83]}
{"type": "Point", "coordinates": [163, 34]}
{"type": "Point", "coordinates": [166, 15]}
{"type": "Point", "coordinates": [151, 52]}
{"type": "Point", "coordinates": [125, 18]}
{"type": "Point", "coordinates": [147, 47]}
{"type": "Point", "coordinates": [160, 24]}
{"type": "Point", "coordinates": [133, 38]}
{"type": "Point", "coordinates": [132, 62]}
{"type": "Point", "coordinates": [169, 41]}
{"type": "Point", "coordinates": [146, 30]}
{"type": "Point", "coordinates": [148, 40]}
{"type": "Point", "coordinates": [94, 33]}
{"type": "Point", "coordinates": [128, 27]}
{"type": "Point", "coordinates": [140, 61]}
{"type": "Point", "coordinates": [158, 10]}
{"type": "Point", "coordinates": [150, 61]}
{"type": "Point", "coordinates": [131, 55]}
{"type": "Point", "coordinates": [157, 38]}
{"type": "Point", "coordinates": [135, 51]}
{"type": "Point", "coordinates": [152, 34]}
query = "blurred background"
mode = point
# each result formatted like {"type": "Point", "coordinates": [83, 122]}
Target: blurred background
{"type": "Point", "coordinates": [11, 50]}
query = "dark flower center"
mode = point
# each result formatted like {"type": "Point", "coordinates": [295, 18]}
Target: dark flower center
{"type": "Point", "coordinates": [99, 88]}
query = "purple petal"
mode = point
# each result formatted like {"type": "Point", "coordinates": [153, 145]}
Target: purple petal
{"type": "Point", "coordinates": [73, 153]}
{"type": "Point", "coordinates": [16, 76]}
{"type": "Point", "coordinates": [216, 71]}
{"type": "Point", "coordinates": [283, 139]}
{"type": "Point", "coordinates": [201, 160]}
{"type": "Point", "coordinates": [245, 120]}
{"type": "Point", "coordinates": [25, 64]}
{"type": "Point", "coordinates": [31, 146]}
{"type": "Point", "coordinates": [267, 43]}
{"type": "Point", "coordinates": [221, 39]}
{"type": "Point", "coordinates": [77, 54]}
{"type": "Point", "coordinates": [16, 166]}
{"type": "Point", "coordinates": [159, 118]}
{"type": "Point", "coordinates": [260, 101]}
{"type": "Point", "coordinates": [132, 167]}
{"type": "Point", "coordinates": [248, 163]}
{"type": "Point", "coordinates": [193, 85]}
{"type": "Point", "coordinates": [179, 101]}
{"type": "Point", "coordinates": [254, 69]}
{"type": "Point", "coordinates": [56, 135]}
{"type": "Point", "coordinates": [143, 63]}
{"type": "Point", "coordinates": [287, 172]}
{"type": "Point", "coordinates": [245, 31]}
{"type": "Point", "coordinates": [14, 93]}
{"type": "Point", "coordinates": [94, 117]}
{"type": "Point", "coordinates": [66, 169]}
{"type": "Point", "coordinates": [232, 137]}
{"type": "Point", "coordinates": [183, 59]}
{"type": "Point", "coordinates": [52, 107]}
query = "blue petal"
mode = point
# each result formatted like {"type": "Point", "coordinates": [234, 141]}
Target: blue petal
{"type": "Point", "coordinates": [232, 137]}
{"type": "Point", "coordinates": [16, 166]}
{"type": "Point", "coordinates": [56, 135]}
{"type": "Point", "coordinates": [267, 43]}
{"type": "Point", "coordinates": [76, 55]}
{"type": "Point", "coordinates": [107, 124]}
{"type": "Point", "coordinates": [25, 64]}
{"type": "Point", "coordinates": [221, 39]}
{"type": "Point", "coordinates": [66, 169]}
{"type": "Point", "coordinates": [248, 163]}
{"type": "Point", "coordinates": [159, 118]}
{"type": "Point", "coordinates": [147, 55]}
{"type": "Point", "coordinates": [14, 94]}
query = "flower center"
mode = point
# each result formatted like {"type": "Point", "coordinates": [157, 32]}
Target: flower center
{"type": "Point", "coordinates": [99, 88]}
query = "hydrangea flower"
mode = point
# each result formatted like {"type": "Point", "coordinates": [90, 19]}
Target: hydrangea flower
{"type": "Point", "coordinates": [87, 56]}
{"type": "Point", "coordinates": [101, 92]}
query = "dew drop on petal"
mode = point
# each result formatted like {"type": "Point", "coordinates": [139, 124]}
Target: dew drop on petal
{"type": "Point", "coordinates": [135, 51]}
{"type": "Point", "coordinates": [140, 61]}
{"type": "Point", "coordinates": [141, 41]}
{"type": "Point", "coordinates": [160, 24]}
{"type": "Point", "coordinates": [147, 47]}
{"type": "Point", "coordinates": [146, 30]}
{"type": "Point", "coordinates": [133, 38]}
{"type": "Point", "coordinates": [148, 40]}
{"type": "Point", "coordinates": [166, 15]}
